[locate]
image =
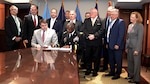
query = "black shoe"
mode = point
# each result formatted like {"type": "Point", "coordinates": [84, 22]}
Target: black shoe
{"type": "Point", "coordinates": [87, 72]}
{"type": "Point", "coordinates": [109, 74]}
{"type": "Point", "coordinates": [94, 74]}
{"type": "Point", "coordinates": [128, 78]}
{"type": "Point", "coordinates": [132, 81]}
{"type": "Point", "coordinates": [102, 70]}
{"type": "Point", "coordinates": [115, 77]}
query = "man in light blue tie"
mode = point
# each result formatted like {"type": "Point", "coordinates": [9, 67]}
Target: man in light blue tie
{"type": "Point", "coordinates": [13, 29]}
{"type": "Point", "coordinates": [115, 43]}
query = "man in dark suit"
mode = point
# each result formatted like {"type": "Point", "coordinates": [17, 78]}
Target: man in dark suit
{"type": "Point", "coordinates": [31, 23]}
{"type": "Point", "coordinates": [77, 23]}
{"type": "Point", "coordinates": [105, 24]}
{"type": "Point", "coordinates": [13, 29]}
{"type": "Point", "coordinates": [87, 15]}
{"type": "Point", "coordinates": [67, 16]}
{"type": "Point", "coordinates": [93, 34]}
{"type": "Point", "coordinates": [55, 23]}
{"type": "Point", "coordinates": [115, 43]}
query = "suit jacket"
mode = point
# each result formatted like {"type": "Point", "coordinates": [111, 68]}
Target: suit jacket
{"type": "Point", "coordinates": [29, 27]}
{"type": "Point", "coordinates": [11, 29]}
{"type": "Point", "coordinates": [135, 38]}
{"type": "Point", "coordinates": [117, 32]}
{"type": "Point", "coordinates": [105, 26]}
{"type": "Point", "coordinates": [74, 39]}
{"type": "Point", "coordinates": [97, 30]}
{"type": "Point", "coordinates": [58, 27]}
{"type": "Point", "coordinates": [50, 37]}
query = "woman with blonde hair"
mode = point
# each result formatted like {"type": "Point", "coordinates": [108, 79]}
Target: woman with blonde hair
{"type": "Point", "coordinates": [134, 47]}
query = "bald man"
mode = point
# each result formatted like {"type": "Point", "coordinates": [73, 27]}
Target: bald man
{"type": "Point", "coordinates": [93, 34]}
{"type": "Point", "coordinates": [13, 29]}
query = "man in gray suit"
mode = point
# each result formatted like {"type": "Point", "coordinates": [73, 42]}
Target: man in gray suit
{"type": "Point", "coordinates": [44, 36]}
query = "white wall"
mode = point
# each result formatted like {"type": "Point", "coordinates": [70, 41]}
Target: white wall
{"type": "Point", "coordinates": [84, 6]}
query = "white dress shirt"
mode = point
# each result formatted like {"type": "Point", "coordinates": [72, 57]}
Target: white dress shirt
{"type": "Point", "coordinates": [17, 23]}
{"type": "Point", "coordinates": [52, 22]}
{"type": "Point", "coordinates": [36, 18]}
{"type": "Point", "coordinates": [109, 27]}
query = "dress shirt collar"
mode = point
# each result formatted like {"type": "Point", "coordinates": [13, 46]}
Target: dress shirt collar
{"type": "Point", "coordinates": [14, 16]}
{"type": "Point", "coordinates": [35, 17]}
{"type": "Point", "coordinates": [94, 19]}
{"type": "Point", "coordinates": [67, 19]}
{"type": "Point", "coordinates": [72, 33]}
{"type": "Point", "coordinates": [74, 21]}
{"type": "Point", "coordinates": [53, 19]}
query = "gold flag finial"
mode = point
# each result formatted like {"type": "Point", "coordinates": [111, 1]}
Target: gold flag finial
{"type": "Point", "coordinates": [96, 1]}
{"type": "Point", "coordinates": [30, 1]}
{"type": "Point", "coordinates": [62, 2]}
{"type": "Point", "coordinates": [77, 2]}
{"type": "Point", "coordinates": [45, 0]}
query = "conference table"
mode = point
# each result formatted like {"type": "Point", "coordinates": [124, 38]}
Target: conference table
{"type": "Point", "coordinates": [38, 66]}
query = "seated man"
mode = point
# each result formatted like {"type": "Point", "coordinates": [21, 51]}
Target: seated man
{"type": "Point", "coordinates": [44, 36]}
{"type": "Point", "coordinates": [71, 38]}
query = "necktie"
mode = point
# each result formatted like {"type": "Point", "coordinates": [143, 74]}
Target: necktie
{"type": "Point", "coordinates": [43, 36]}
{"type": "Point", "coordinates": [70, 35]}
{"type": "Point", "coordinates": [92, 21]}
{"type": "Point", "coordinates": [107, 23]}
{"type": "Point", "coordinates": [18, 25]}
{"type": "Point", "coordinates": [108, 30]}
{"type": "Point", "coordinates": [34, 21]}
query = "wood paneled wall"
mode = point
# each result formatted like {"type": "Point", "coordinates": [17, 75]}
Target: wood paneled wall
{"type": "Point", "coordinates": [146, 42]}
{"type": "Point", "coordinates": [2, 16]}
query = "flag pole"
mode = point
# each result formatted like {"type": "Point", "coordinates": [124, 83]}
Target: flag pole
{"type": "Point", "coordinates": [30, 2]}
{"type": "Point", "coordinates": [45, 0]}
{"type": "Point", "coordinates": [77, 2]}
{"type": "Point", "coordinates": [97, 1]}
{"type": "Point", "coordinates": [63, 3]}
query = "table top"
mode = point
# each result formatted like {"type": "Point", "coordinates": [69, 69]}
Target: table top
{"type": "Point", "coordinates": [36, 66]}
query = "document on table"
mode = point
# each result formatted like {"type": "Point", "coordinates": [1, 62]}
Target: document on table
{"type": "Point", "coordinates": [56, 48]}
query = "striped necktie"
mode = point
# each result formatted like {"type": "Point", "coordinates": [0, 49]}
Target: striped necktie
{"type": "Point", "coordinates": [43, 36]}
{"type": "Point", "coordinates": [17, 24]}
{"type": "Point", "coordinates": [34, 21]}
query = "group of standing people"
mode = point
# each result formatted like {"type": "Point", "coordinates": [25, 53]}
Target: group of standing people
{"type": "Point", "coordinates": [109, 34]}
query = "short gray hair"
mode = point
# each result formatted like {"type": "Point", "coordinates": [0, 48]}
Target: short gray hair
{"type": "Point", "coordinates": [115, 10]}
{"type": "Point", "coordinates": [13, 7]}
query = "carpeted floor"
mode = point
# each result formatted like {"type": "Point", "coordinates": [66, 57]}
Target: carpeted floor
{"type": "Point", "coordinates": [101, 79]}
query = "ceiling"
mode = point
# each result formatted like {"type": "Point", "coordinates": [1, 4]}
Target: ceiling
{"type": "Point", "coordinates": [131, 5]}
{"type": "Point", "coordinates": [121, 5]}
